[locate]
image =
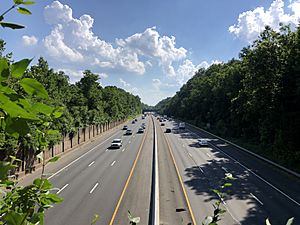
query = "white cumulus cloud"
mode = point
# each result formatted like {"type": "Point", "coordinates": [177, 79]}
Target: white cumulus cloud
{"type": "Point", "coordinates": [251, 23]}
{"type": "Point", "coordinates": [29, 40]}
{"type": "Point", "coordinates": [72, 41]}
{"type": "Point", "coordinates": [151, 44]}
{"type": "Point", "coordinates": [187, 70]}
{"type": "Point", "coordinates": [124, 83]}
{"type": "Point", "coordinates": [156, 83]}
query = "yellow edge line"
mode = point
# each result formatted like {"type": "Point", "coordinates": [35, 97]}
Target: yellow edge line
{"type": "Point", "coordinates": [182, 186]}
{"type": "Point", "coordinates": [128, 180]}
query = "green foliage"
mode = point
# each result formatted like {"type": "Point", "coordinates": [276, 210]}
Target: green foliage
{"type": "Point", "coordinates": [254, 99]}
{"type": "Point", "coordinates": [133, 220]}
{"type": "Point", "coordinates": [21, 10]}
{"type": "Point", "coordinates": [218, 209]}
{"type": "Point", "coordinates": [24, 205]}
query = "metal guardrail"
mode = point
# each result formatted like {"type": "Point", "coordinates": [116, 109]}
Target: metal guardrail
{"type": "Point", "coordinates": [250, 152]}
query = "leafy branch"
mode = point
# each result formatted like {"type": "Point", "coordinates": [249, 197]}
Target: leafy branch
{"type": "Point", "coordinates": [21, 10]}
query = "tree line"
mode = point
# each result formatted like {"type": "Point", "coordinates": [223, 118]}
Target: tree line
{"type": "Point", "coordinates": [84, 103]}
{"type": "Point", "coordinates": [254, 99]}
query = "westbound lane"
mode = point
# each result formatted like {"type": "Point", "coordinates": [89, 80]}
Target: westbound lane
{"type": "Point", "coordinates": [93, 184]}
{"type": "Point", "coordinates": [251, 201]}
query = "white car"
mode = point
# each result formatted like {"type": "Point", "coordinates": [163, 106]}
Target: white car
{"type": "Point", "coordinates": [116, 143]}
{"type": "Point", "coordinates": [202, 142]}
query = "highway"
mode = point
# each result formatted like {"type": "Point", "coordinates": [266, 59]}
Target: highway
{"type": "Point", "coordinates": [260, 191]}
{"type": "Point", "coordinates": [94, 179]}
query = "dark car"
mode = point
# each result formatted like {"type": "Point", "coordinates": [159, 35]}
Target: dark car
{"type": "Point", "coordinates": [128, 132]}
{"type": "Point", "coordinates": [168, 130]}
{"type": "Point", "coordinates": [162, 124]}
{"type": "Point", "coordinates": [140, 130]}
{"type": "Point", "coordinates": [125, 127]}
{"type": "Point", "coordinates": [133, 122]}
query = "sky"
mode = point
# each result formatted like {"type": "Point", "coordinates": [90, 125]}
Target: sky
{"type": "Point", "coordinates": [147, 47]}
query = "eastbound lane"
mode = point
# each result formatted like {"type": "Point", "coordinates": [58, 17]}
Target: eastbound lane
{"type": "Point", "coordinates": [93, 184]}
{"type": "Point", "coordinates": [251, 200]}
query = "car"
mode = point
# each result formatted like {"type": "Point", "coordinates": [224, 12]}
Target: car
{"type": "Point", "coordinates": [182, 126]}
{"type": "Point", "coordinates": [128, 132]}
{"type": "Point", "coordinates": [125, 127]}
{"type": "Point", "coordinates": [140, 130]}
{"type": "Point", "coordinates": [143, 117]}
{"type": "Point", "coordinates": [116, 143]}
{"type": "Point", "coordinates": [162, 124]}
{"type": "Point", "coordinates": [202, 142]}
{"type": "Point", "coordinates": [168, 130]}
{"type": "Point", "coordinates": [143, 126]}
{"type": "Point", "coordinates": [133, 122]}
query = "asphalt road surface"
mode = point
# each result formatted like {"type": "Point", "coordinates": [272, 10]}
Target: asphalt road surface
{"type": "Point", "coordinates": [259, 192]}
{"type": "Point", "coordinates": [94, 179]}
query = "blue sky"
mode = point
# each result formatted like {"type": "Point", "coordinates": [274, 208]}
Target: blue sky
{"type": "Point", "coordinates": [149, 48]}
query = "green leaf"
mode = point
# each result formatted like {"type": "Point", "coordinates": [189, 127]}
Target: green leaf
{"type": "Point", "coordinates": [290, 221]}
{"type": "Point", "coordinates": [14, 110]}
{"type": "Point", "coordinates": [11, 25]}
{"type": "Point", "coordinates": [95, 219]}
{"type": "Point", "coordinates": [53, 132]}
{"type": "Point", "coordinates": [4, 70]}
{"type": "Point", "coordinates": [227, 185]}
{"type": "Point", "coordinates": [57, 114]}
{"type": "Point", "coordinates": [4, 168]}
{"type": "Point", "coordinates": [18, 1]}
{"type": "Point", "coordinates": [33, 87]}
{"type": "Point", "coordinates": [46, 184]}
{"type": "Point", "coordinates": [24, 11]}
{"type": "Point", "coordinates": [37, 182]}
{"type": "Point", "coordinates": [54, 198]}
{"type": "Point", "coordinates": [43, 108]}
{"type": "Point", "coordinates": [17, 126]}
{"type": "Point", "coordinates": [18, 68]}
{"type": "Point", "coordinates": [216, 191]}
{"type": "Point", "coordinates": [7, 90]}
{"type": "Point", "coordinates": [28, 3]}
{"type": "Point", "coordinates": [207, 220]}
{"type": "Point", "coordinates": [54, 159]}
{"type": "Point", "coordinates": [13, 218]}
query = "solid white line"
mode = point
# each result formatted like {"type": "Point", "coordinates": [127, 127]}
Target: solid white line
{"type": "Point", "coordinates": [223, 168]}
{"type": "Point", "coordinates": [123, 149]}
{"type": "Point", "coordinates": [190, 154]}
{"type": "Point", "coordinates": [77, 159]}
{"type": "Point", "coordinates": [60, 190]}
{"type": "Point", "coordinates": [259, 177]}
{"type": "Point", "coordinates": [91, 163]}
{"type": "Point", "coordinates": [94, 188]}
{"type": "Point", "coordinates": [113, 163]}
{"type": "Point", "coordinates": [256, 198]}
